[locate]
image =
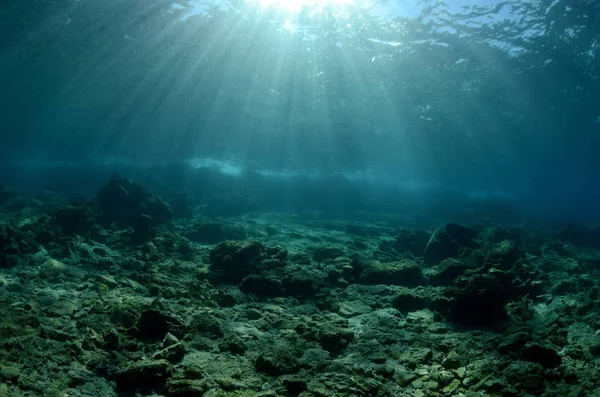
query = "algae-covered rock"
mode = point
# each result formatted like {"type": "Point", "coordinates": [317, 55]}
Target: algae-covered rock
{"type": "Point", "coordinates": [156, 324]}
{"type": "Point", "coordinates": [322, 253]}
{"type": "Point", "coordinates": [479, 299]}
{"type": "Point", "coordinates": [407, 300]}
{"type": "Point", "coordinates": [447, 241]}
{"type": "Point", "coordinates": [143, 231]}
{"type": "Point", "coordinates": [14, 245]}
{"type": "Point", "coordinates": [278, 362]}
{"type": "Point", "coordinates": [303, 282]}
{"type": "Point", "coordinates": [268, 285]}
{"type": "Point", "coordinates": [75, 219]}
{"type": "Point", "coordinates": [206, 324]}
{"type": "Point", "coordinates": [123, 202]}
{"type": "Point", "coordinates": [186, 387]}
{"type": "Point", "coordinates": [413, 241]}
{"type": "Point", "coordinates": [234, 260]}
{"type": "Point", "coordinates": [544, 355]}
{"type": "Point", "coordinates": [143, 375]}
{"type": "Point", "coordinates": [406, 273]}
{"type": "Point", "coordinates": [503, 253]}
{"type": "Point", "coordinates": [333, 338]}
{"type": "Point", "coordinates": [445, 272]}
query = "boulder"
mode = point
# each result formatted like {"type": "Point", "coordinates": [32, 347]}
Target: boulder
{"type": "Point", "coordinates": [447, 241]}
{"type": "Point", "coordinates": [406, 273]}
{"type": "Point", "coordinates": [123, 202]}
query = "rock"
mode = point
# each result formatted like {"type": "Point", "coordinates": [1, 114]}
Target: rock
{"type": "Point", "coordinates": [334, 339]}
{"type": "Point", "coordinates": [479, 299]}
{"type": "Point", "coordinates": [452, 360]}
{"type": "Point", "coordinates": [532, 383]}
{"type": "Point", "coordinates": [353, 308]}
{"type": "Point", "coordinates": [143, 375]}
{"type": "Point", "coordinates": [302, 283]}
{"type": "Point", "coordinates": [514, 342]}
{"type": "Point", "coordinates": [580, 235]}
{"type": "Point", "coordinates": [277, 362]}
{"type": "Point", "coordinates": [447, 271]}
{"type": "Point", "coordinates": [14, 245]}
{"type": "Point", "coordinates": [207, 325]}
{"type": "Point", "coordinates": [155, 324]}
{"type": "Point", "coordinates": [546, 356]}
{"type": "Point", "coordinates": [447, 242]}
{"type": "Point", "coordinates": [143, 230]}
{"type": "Point", "coordinates": [267, 285]}
{"type": "Point", "coordinates": [300, 258]}
{"type": "Point", "coordinates": [407, 300]}
{"type": "Point", "coordinates": [10, 372]}
{"type": "Point", "coordinates": [123, 202]}
{"type": "Point", "coordinates": [295, 386]}
{"type": "Point", "coordinates": [378, 357]}
{"type": "Point", "coordinates": [406, 273]}
{"type": "Point", "coordinates": [451, 388]}
{"type": "Point", "coordinates": [172, 353]}
{"type": "Point", "coordinates": [413, 241]}
{"type": "Point", "coordinates": [235, 260]}
{"type": "Point", "coordinates": [323, 253]}
{"type": "Point", "coordinates": [186, 387]}
{"type": "Point", "coordinates": [503, 253]}
{"type": "Point", "coordinates": [72, 219]}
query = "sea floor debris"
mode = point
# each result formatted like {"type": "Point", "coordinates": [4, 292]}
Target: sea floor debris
{"type": "Point", "coordinates": [97, 300]}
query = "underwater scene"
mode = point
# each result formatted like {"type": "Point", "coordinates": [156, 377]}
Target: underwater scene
{"type": "Point", "coordinates": [307, 198]}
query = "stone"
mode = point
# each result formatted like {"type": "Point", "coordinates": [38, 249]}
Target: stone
{"type": "Point", "coordinates": [413, 241]}
{"type": "Point", "coordinates": [447, 242]}
{"type": "Point", "coordinates": [186, 387]}
{"type": "Point", "coordinates": [407, 300]}
{"type": "Point", "coordinates": [267, 285]}
{"type": "Point", "coordinates": [406, 273]}
{"type": "Point", "coordinates": [323, 253]}
{"type": "Point", "coordinates": [546, 356]}
{"type": "Point", "coordinates": [452, 361]}
{"type": "Point", "coordinates": [235, 260]}
{"type": "Point", "coordinates": [143, 375]}
{"type": "Point", "coordinates": [447, 271]}
{"type": "Point", "coordinates": [155, 324]}
{"type": "Point", "coordinates": [123, 202]}
{"type": "Point", "coordinates": [333, 338]}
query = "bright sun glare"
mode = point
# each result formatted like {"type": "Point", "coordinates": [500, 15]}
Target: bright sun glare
{"type": "Point", "coordinates": [297, 5]}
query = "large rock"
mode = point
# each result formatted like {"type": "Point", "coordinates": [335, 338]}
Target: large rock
{"type": "Point", "coordinates": [13, 245]}
{"type": "Point", "coordinates": [479, 299]}
{"type": "Point", "coordinates": [413, 241]}
{"type": "Point", "coordinates": [235, 260]}
{"type": "Point", "coordinates": [75, 219]}
{"type": "Point", "coordinates": [232, 261]}
{"type": "Point", "coordinates": [123, 202]}
{"type": "Point", "coordinates": [406, 273]}
{"type": "Point", "coordinates": [447, 271]}
{"type": "Point", "coordinates": [144, 375]}
{"type": "Point", "coordinates": [447, 241]}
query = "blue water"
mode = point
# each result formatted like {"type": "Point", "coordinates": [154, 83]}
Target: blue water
{"type": "Point", "coordinates": [476, 97]}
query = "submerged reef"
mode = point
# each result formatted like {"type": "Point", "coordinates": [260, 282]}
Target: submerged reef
{"type": "Point", "coordinates": [131, 294]}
